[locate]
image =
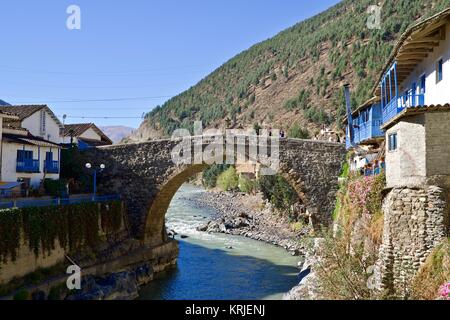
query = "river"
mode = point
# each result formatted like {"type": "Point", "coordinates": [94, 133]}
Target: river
{"type": "Point", "coordinates": [219, 266]}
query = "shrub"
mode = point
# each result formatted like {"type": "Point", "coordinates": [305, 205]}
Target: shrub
{"type": "Point", "coordinates": [278, 191]}
{"type": "Point", "coordinates": [297, 132]}
{"type": "Point", "coordinates": [55, 188]}
{"type": "Point", "coordinates": [228, 180]}
{"type": "Point", "coordinates": [341, 274]}
{"type": "Point", "coordinates": [434, 273]}
{"type": "Point", "coordinates": [246, 185]}
{"type": "Point", "coordinates": [210, 175]}
{"type": "Point", "coordinates": [22, 295]}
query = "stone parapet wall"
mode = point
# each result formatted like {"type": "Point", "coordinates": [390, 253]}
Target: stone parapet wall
{"type": "Point", "coordinates": [415, 221]}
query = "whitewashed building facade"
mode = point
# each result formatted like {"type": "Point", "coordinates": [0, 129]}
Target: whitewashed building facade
{"type": "Point", "coordinates": [30, 146]}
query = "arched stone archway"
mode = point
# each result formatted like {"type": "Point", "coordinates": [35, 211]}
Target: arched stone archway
{"type": "Point", "coordinates": [147, 179]}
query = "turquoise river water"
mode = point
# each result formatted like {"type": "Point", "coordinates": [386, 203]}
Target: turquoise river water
{"type": "Point", "coordinates": [209, 269]}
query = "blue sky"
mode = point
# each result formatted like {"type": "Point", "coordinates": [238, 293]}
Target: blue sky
{"type": "Point", "coordinates": [137, 52]}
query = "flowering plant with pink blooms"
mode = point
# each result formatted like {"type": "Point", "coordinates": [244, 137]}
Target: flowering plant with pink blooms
{"type": "Point", "coordinates": [444, 291]}
{"type": "Point", "coordinates": [364, 192]}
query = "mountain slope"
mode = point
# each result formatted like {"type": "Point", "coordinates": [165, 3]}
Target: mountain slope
{"type": "Point", "coordinates": [117, 133]}
{"type": "Point", "coordinates": [295, 77]}
{"type": "Point", "coordinates": [4, 103]}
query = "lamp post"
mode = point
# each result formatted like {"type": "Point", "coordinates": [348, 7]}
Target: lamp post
{"type": "Point", "coordinates": [94, 171]}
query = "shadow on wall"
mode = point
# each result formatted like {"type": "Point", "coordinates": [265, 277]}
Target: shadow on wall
{"type": "Point", "coordinates": [222, 276]}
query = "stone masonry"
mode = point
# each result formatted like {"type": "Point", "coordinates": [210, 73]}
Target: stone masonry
{"type": "Point", "coordinates": [415, 221]}
{"type": "Point", "coordinates": [147, 179]}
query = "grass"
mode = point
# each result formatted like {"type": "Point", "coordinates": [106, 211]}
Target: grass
{"type": "Point", "coordinates": [434, 273]}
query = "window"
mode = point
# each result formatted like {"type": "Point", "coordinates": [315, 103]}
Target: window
{"type": "Point", "coordinates": [43, 113]}
{"type": "Point", "coordinates": [23, 155]}
{"type": "Point", "coordinates": [49, 156]}
{"type": "Point", "coordinates": [392, 142]}
{"type": "Point", "coordinates": [439, 70]}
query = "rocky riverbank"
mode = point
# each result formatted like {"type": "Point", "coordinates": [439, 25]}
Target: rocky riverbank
{"type": "Point", "coordinates": [250, 216]}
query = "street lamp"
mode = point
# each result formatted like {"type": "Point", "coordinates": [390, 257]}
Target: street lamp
{"type": "Point", "coordinates": [94, 170]}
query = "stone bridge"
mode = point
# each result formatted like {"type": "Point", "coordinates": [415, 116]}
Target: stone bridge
{"type": "Point", "coordinates": [147, 178]}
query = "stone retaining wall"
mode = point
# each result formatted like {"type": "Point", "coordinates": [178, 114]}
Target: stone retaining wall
{"type": "Point", "coordinates": [415, 221]}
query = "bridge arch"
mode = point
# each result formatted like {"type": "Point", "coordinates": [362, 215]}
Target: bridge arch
{"type": "Point", "coordinates": [147, 179]}
{"type": "Point", "coordinates": [155, 231]}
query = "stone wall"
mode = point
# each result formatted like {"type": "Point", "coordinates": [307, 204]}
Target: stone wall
{"type": "Point", "coordinates": [415, 221]}
{"type": "Point", "coordinates": [27, 262]}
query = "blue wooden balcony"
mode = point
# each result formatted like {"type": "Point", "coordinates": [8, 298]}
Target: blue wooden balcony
{"type": "Point", "coordinates": [51, 166]}
{"type": "Point", "coordinates": [370, 130]}
{"type": "Point", "coordinates": [27, 165]}
{"type": "Point", "coordinates": [396, 105]}
{"type": "Point", "coordinates": [366, 126]}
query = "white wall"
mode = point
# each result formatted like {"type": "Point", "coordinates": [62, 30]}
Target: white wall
{"type": "Point", "coordinates": [91, 134]}
{"type": "Point", "coordinates": [33, 124]}
{"type": "Point", "coordinates": [406, 165]}
{"type": "Point", "coordinates": [9, 159]}
{"type": "Point", "coordinates": [436, 93]}
{"type": "Point", "coordinates": [67, 140]}
{"type": "Point", "coordinates": [88, 134]}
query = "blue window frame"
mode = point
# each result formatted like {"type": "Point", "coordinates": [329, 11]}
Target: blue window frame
{"type": "Point", "coordinates": [439, 70]}
{"type": "Point", "coordinates": [24, 155]}
{"type": "Point", "coordinates": [49, 156]}
{"type": "Point", "coordinates": [392, 142]}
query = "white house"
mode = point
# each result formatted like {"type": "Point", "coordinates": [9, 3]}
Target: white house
{"type": "Point", "coordinates": [415, 99]}
{"type": "Point", "coordinates": [84, 135]}
{"type": "Point", "coordinates": [418, 72]}
{"type": "Point", "coordinates": [30, 145]}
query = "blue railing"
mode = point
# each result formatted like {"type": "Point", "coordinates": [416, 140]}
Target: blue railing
{"type": "Point", "coordinates": [51, 166]}
{"type": "Point", "coordinates": [397, 104]}
{"type": "Point", "coordinates": [27, 165]}
{"type": "Point", "coordinates": [374, 172]}
{"type": "Point", "coordinates": [390, 110]}
{"type": "Point", "coordinates": [24, 203]}
{"type": "Point", "coordinates": [367, 130]}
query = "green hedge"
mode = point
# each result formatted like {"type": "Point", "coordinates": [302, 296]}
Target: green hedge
{"type": "Point", "coordinates": [72, 225]}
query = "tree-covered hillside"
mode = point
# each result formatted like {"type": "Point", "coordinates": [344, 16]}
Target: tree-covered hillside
{"type": "Point", "coordinates": [296, 77]}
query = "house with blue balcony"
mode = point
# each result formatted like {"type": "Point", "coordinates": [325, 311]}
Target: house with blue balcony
{"type": "Point", "coordinates": [417, 73]}
{"type": "Point", "coordinates": [365, 128]}
{"type": "Point", "coordinates": [30, 146]}
{"type": "Point", "coordinates": [414, 90]}
{"type": "Point", "coordinates": [364, 136]}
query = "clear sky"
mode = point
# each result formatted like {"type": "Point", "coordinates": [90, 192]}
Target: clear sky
{"type": "Point", "coordinates": [134, 53]}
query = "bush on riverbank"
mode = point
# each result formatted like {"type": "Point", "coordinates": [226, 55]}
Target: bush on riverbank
{"type": "Point", "coordinates": [210, 175]}
{"type": "Point", "coordinates": [278, 191]}
{"type": "Point", "coordinates": [228, 180]}
{"type": "Point", "coordinates": [274, 188]}
{"type": "Point", "coordinates": [347, 257]}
